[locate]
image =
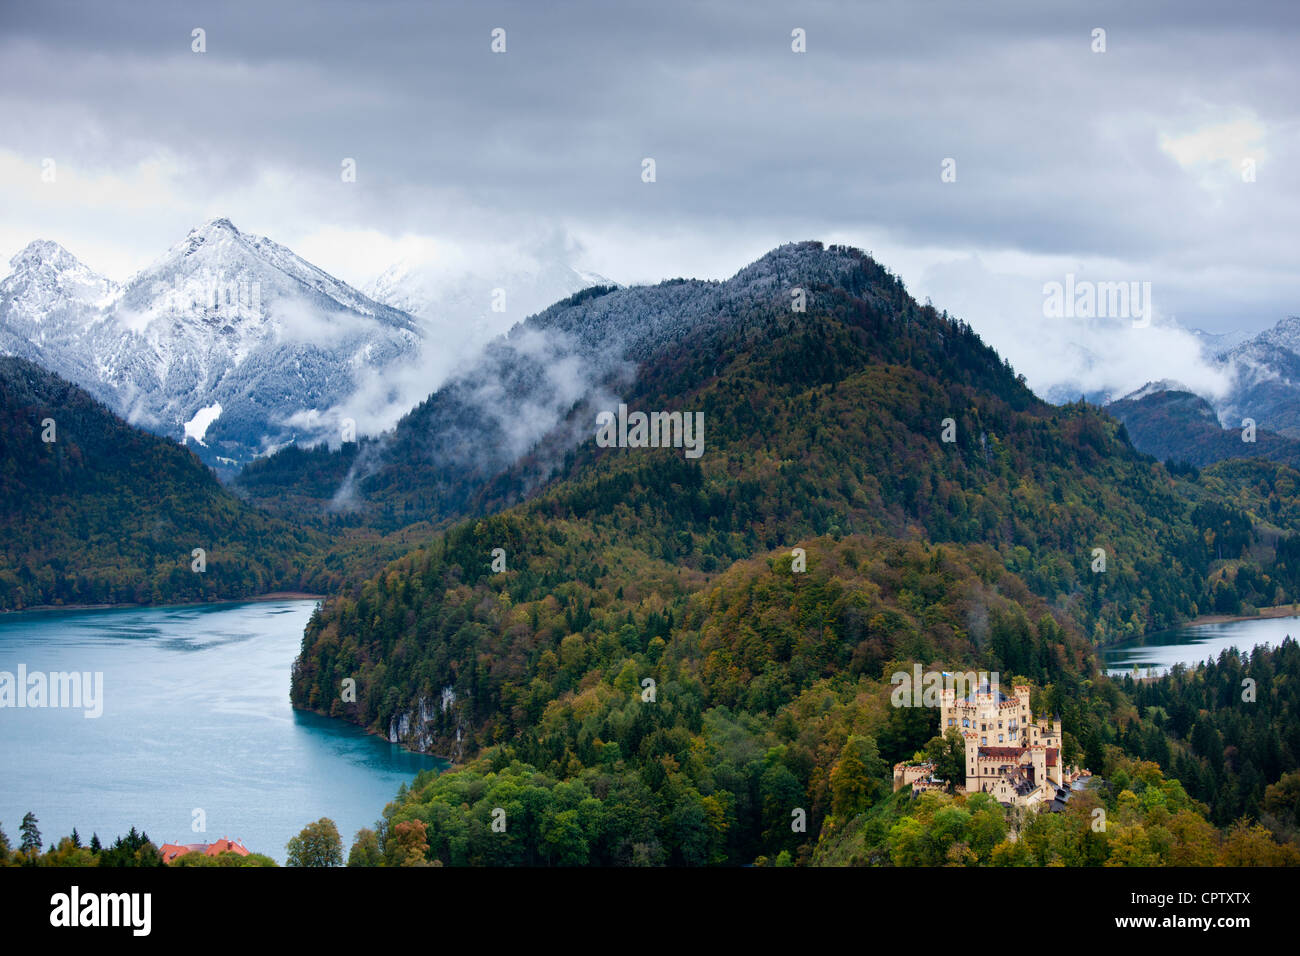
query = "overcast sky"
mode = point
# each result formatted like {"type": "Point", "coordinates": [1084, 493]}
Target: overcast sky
{"type": "Point", "coordinates": [1123, 165]}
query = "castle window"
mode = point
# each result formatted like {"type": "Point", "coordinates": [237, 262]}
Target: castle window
{"type": "Point", "coordinates": [984, 741]}
{"type": "Point", "coordinates": [965, 721]}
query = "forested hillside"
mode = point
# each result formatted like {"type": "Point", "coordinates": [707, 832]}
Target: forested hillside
{"type": "Point", "coordinates": [1182, 427]}
{"type": "Point", "coordinates": [825, 430]}
{"type": "Point", "coordinates": [106, 513]}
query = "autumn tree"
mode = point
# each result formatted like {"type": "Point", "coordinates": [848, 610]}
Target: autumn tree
{"type": "Point", "coordinates": [410, 843]}
{"type": "Point", "coordinates": [319, 844]}
{"type": "Point", "coordinates": [365, 849]}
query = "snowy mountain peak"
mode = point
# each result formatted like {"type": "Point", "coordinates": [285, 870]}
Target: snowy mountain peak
{"type": "Point", "coordinates": [45, 255]}
{"type": "Point", "coordinates": [228, 339]}
{"type": "Point", "coordinates": [47, 277]}
{"type": "Point", "coordinates": [212, 232]}
{"type": "Point", "coordinates": [1284, 335]}
{"type": "Point", "coordinates": [1151, 388]}
{"type": "Point", "coordinates": [216, 259]}
{"type": "Point", "coordinates": [220, 226]}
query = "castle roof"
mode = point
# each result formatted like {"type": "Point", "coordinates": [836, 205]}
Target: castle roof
{"type": "Point", "coordinates": [1010, 753]}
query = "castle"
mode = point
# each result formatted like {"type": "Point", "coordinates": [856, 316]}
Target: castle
{"type": "Point", "coordinates": [1009, 753]}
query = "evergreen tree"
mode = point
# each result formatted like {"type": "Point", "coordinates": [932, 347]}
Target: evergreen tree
{"type": "Point", "coordinates": [31, 840]}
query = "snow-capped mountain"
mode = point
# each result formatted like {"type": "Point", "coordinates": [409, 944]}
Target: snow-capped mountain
{"type": "Point", "coordinates": [52, 309]}
{"type": "Point", "coordinates": [1152, 388]}
{"type": "Point", "coordinates": [1284, 336]}
{"type": "Point", "coordinates": [229, 340]}
{"type": "Point", "coordinates": [1266, 380]}
{"type": "Point", "coordinates": [547, 377]}
{"type": "Point", "coordinates": [1218, 344]}
{"type": "Point", "coordinates": [1167, 419]}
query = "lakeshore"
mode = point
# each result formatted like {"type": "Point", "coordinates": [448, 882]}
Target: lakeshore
{"type": "Point", "coordinates": [269, 596]}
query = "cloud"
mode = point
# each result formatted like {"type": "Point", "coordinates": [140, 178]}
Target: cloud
{"type": "Point", "coordinates": [1230, 142]}
{"type": "Point", "coordinates": [1071, 356]}
{"type": "Point", "coordinates": [1061, 153]}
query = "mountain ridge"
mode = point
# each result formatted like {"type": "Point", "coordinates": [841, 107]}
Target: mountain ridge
{"type": "Point", "coordinates": [99, 512]}
{"type": "Point", "coordinates": [229, 326]}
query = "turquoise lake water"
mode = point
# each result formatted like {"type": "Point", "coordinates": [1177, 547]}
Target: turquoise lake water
{"type": "Point", "coordinates": [195, 715]}
{"type": "Point", "coordinates": [1195, 644]}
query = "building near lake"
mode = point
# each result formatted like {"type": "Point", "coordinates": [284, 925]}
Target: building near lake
{"type": "Point", "coordinates": [1010, 753]}
{"type": "Point", "coordinates": [170, 851]}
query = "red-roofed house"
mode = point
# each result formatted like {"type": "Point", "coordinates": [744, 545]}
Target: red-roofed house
{"type": "Point", "coordinates": [170, 851]}
{"type": "Point", "coordinates": [226, 846]}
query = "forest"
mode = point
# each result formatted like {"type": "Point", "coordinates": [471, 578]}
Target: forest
{"type": "Point", "coordinates": [770, 685]}
{"type": "Point", "coordinates": [636, 657]}
{"type": "Point", "coordinates": [135, 849]}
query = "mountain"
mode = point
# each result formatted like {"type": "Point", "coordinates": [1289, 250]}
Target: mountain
{"type": "Point", "coordinates": [1172, 423]}
{"type": "Point", "coordinates": [52, 311]}
{"type": "Point", "coordinates": [96, 511]}
{"type": "Point", "coordinates": [1216, 344]}
{"type": "Point", "coordinates": [229, 341]}
{"type": "Point", "coordinates": [827, 422]}
{"type": "Point", "coordinates": [669, 655]}
{"type": "Point", "coordinates": [578, 353]}
{"type": "Point", "coordinates": [1263, 376]}
{"type": "Point", "coordinates": [1266, 380]}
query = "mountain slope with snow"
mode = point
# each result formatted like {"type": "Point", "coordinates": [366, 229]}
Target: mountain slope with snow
{"type": "Point", "coordinates": [1265, 380]}
{"type": "Point", "coordinates": [53, 309]}
{"type": "Point", "coordinates": [229, 341]}
{"type": "Point", "coordinates": [546, 378]}
{"type": "Point", "coordinates": [1167, 420]}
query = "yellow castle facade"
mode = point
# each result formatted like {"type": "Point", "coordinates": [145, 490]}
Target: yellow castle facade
{"type": "Point", "coordinates": [1010, 754]}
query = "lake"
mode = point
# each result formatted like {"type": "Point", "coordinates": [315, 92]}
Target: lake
{"type": "Point", "coordinates": [1194, 644]}
{"type": "Point", "coordinates": [195, 715]}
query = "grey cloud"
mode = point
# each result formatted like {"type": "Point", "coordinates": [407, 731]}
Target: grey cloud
{"type": "Point", "coordinates": [1057, 148]}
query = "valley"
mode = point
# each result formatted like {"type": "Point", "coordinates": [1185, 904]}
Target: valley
{"type": "Point", "coordinates": [879, 491]}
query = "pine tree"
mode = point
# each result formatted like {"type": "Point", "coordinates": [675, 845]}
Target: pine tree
{"type": "Point", "coordinates": [31, 841]}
